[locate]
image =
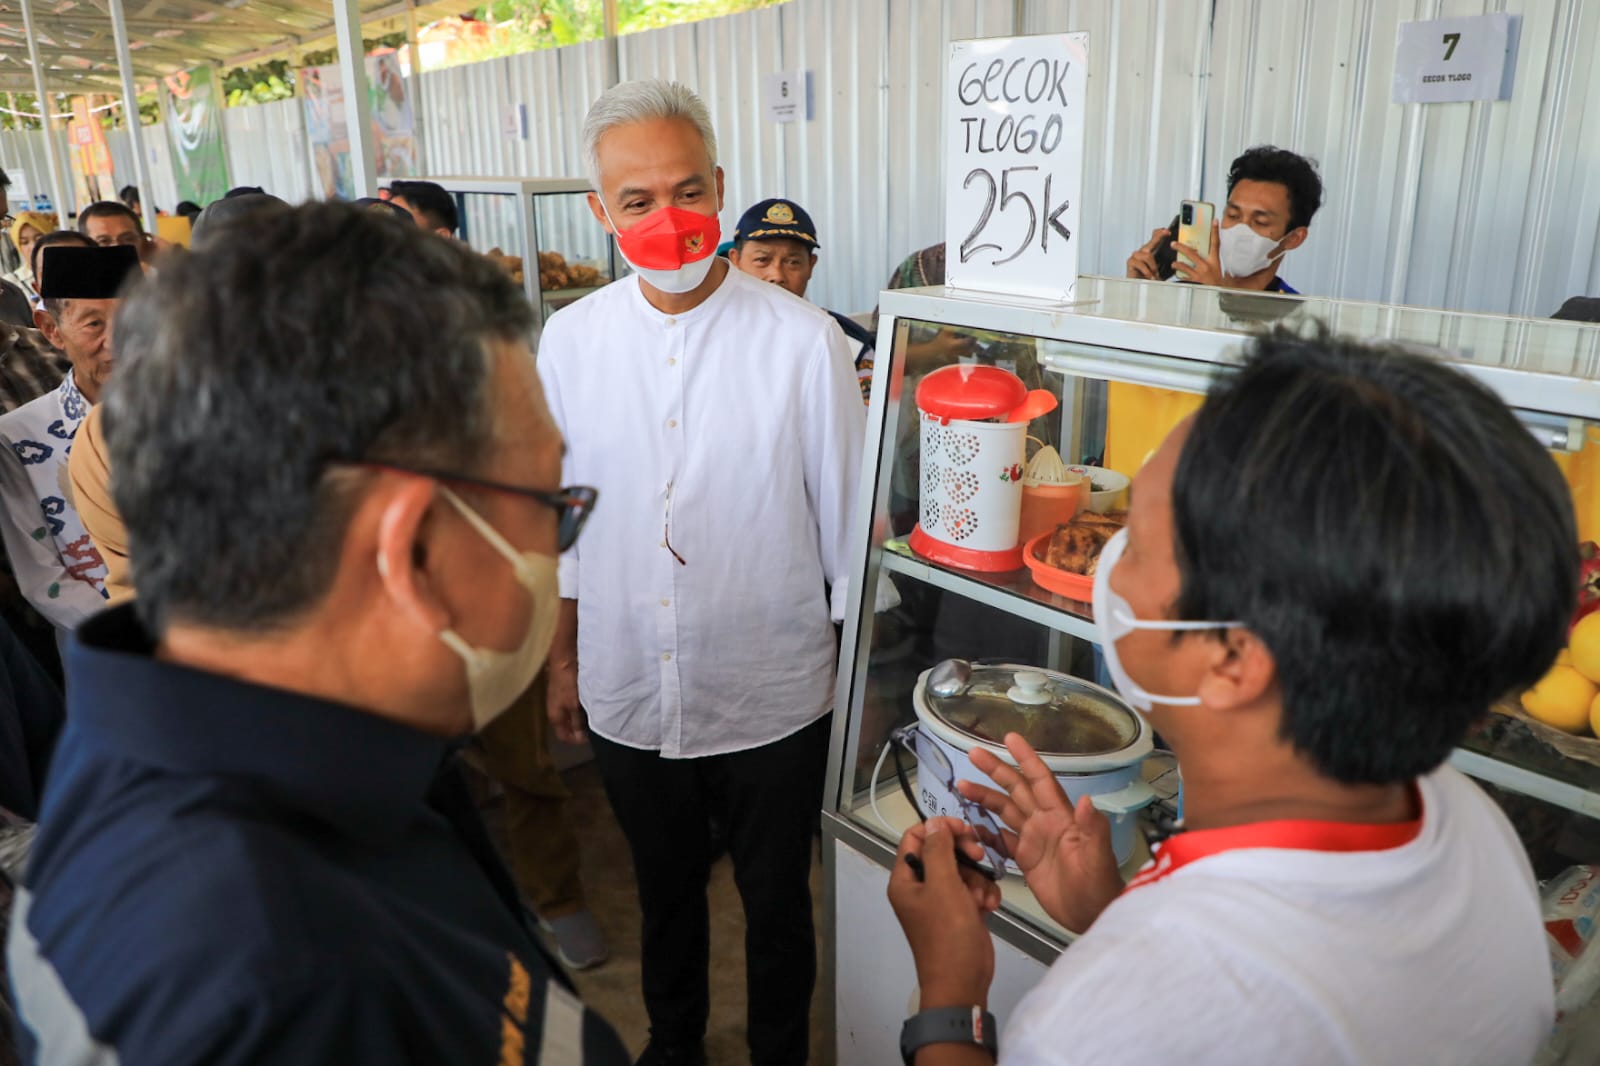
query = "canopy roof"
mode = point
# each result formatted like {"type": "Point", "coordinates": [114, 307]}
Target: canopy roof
{"type": "Point", "coordinates": [166, 36]}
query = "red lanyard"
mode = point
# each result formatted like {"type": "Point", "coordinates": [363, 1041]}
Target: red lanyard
{"type": "Point", "coordinates": [1183, 848]}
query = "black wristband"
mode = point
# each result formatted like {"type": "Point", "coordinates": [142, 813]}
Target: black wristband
{"type": "Point", "coordinates": [948, 1025]}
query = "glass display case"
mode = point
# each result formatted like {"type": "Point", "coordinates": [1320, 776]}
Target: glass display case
{"type": "Point", "coordinates": [541, 230]}
{"type": "Point", "coordinates": [1127, 360]}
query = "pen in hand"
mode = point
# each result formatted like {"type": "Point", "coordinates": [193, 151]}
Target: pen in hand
{"type": "Point", "coordinates": [915, 862]}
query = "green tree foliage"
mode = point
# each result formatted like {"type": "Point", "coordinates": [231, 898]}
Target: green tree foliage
{"type": "Point", "coordinates": [520, 26]}
{"type": "Point", "coordinates": [528, 25]}
{"type": "Point", "coordinates": [274, 79]}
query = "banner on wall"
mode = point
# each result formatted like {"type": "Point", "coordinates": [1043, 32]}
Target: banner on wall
{"type": "Point", "coordinates": [394, 128]}
{"type": "Point", "coordinates": [193, 110]}
{"type": "Point", "coordinates": [90, 155]}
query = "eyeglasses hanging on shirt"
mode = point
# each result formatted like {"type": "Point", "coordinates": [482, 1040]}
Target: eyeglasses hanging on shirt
{"type": "Point", "coordinates": [666, 529]}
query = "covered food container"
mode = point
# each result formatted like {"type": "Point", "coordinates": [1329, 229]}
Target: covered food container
{"type": "Point", "coordinates": [1089, 738]}
{"type": "Point", "coordinates": [974, 420]}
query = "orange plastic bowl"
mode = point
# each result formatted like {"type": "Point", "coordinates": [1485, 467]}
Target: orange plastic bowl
{"type": "Point", "coordinates": [1078, 587]}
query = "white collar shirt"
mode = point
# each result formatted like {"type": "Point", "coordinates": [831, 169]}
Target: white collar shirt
{"type": "Point", "coordinates": [57, 566]}
{"type": "Point", "coordinates": [734, 432]}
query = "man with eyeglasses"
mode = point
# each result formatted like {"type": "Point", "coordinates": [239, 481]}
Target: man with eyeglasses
{"type": "Point", "coordinates": [343, 520]}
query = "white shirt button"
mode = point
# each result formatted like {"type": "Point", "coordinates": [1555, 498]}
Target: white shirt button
{"type": "Point", "coordinates": [671, 322]}
{"type": "Point", "coordinates": [666, 603]}
{"type": "Point", "coordinates": [663, 544]}
{"type": "Point", "coordinates": [666, 656]}
{"type": "Point", "coordinates": [672, 423]}
{"type": "Point", "coordinates": [671, 361]}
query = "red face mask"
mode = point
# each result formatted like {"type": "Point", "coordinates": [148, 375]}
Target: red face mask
{"type": "Point", "coordinates": [670, 248]}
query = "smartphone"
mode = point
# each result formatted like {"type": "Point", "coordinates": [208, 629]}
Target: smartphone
{"type": "Point", "coordinates": [1194, 226]}
{"type": "Point", "coordinates": [1165, 255]}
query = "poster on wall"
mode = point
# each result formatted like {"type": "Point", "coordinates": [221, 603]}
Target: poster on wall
{"type": "Point", "coordinates": [193, 110]}
{"type": "Point", "coordinates": [394, 135]}
{"type": "Point", "coordinates": [394, 123]}
{"type": "Point", "coordinates": [323, 99]}
{"type": "Point", "coordinates": [91, 154]}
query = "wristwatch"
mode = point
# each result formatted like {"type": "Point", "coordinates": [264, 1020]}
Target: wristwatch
{"type": "Point", "coordinates": [948, 1025]}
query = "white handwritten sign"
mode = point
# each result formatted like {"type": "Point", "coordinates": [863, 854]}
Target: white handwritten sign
{"type": "Point", "coordinates": [1014, 163]}
{"type": "Point", "coordinates": [1456, 59]}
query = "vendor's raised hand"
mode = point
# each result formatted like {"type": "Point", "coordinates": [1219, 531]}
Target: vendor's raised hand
{"type": "Point", "coordinates": [1064, 852]}
{"type": "Point", "coordinates": [1193, 267]}
{"type": "Point", "coordinates": [942, 913]}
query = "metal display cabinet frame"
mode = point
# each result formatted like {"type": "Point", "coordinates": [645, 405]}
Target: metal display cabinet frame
{"type": "Point", "coordinates": [530, 241]}
{"type": "Point", "coordinates": [1174, 337]}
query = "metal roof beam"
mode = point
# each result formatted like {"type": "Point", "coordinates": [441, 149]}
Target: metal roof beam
{"type": "Point", "coordinates": [176, 52]}
{"type": "Point", "coordinates": [250, 27]}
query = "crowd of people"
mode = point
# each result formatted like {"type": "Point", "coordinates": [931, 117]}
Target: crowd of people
{"type": "Point", "coordinates": [317, 537]}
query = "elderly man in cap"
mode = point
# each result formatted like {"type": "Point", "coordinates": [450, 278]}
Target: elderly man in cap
{"type": "Point", "coordinates": [258, 848]}
{"type": "Point", "coordinates": [56, 563]}
{"type": "Point", "coordinates": [776, 241]}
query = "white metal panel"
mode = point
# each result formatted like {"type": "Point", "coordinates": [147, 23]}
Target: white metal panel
{"type": "Point", "coordinates": [1148, 83]}
{"type": "Point", "coordinates": [465, 110]}
{"type": "Point", "coordinates": [1488, 206]}
{"type": "Point", "coordinates": [24, 150]}
{"type": "Point", "coordinates": [266, 146]}
{"type": "Point", "coordinates": [841, 165]}
{"type": "Point", "coordinates": [120, 144]}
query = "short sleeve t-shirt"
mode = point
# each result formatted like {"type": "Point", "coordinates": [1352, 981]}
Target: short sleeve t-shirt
{"type": "Point", "coordinates": [1431, 951]}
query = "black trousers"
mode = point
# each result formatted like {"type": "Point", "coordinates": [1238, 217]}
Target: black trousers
{"type": "Point", "coordinates": [768, 798]}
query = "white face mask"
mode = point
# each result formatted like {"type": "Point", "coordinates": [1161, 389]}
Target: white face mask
{"type": "Point", "coordinates": [1245, 252]}
{"type": "Point", "coordinates": [1114, 618]}
{"type": "Point", "coordinates": [496, 678]}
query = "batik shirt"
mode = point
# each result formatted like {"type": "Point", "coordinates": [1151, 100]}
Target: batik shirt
{"type": "Point", "coordinates": [57, 565]}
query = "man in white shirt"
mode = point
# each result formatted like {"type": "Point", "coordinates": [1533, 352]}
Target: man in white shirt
{"type": "Point", "coordinates": [1312, 621]}
{"type": "Point", "coordinates": [720, 420]}
{"type": "Point", "coordinates": [57, 565]}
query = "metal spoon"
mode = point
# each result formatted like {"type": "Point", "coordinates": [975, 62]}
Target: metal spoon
{"type": "Point", "coordinates": [949, 678]}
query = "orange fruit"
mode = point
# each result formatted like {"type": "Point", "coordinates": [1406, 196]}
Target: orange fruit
{"type": "Point", "coordinates": [1562, 699]}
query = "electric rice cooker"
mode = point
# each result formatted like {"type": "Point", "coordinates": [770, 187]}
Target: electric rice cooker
{"type": "Point", "coordinates": [1090, 739]}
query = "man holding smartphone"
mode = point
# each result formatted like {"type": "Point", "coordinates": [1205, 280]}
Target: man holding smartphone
{"type": "Point", "coordinates": [1272, 195]}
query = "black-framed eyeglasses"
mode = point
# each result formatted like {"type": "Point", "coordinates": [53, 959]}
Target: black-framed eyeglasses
{"type": "Point", "coordinates": [931, 759]}
{"type": "Point", "coordinates": [572, 504]}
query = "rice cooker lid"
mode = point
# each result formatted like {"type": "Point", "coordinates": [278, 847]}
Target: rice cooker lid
{"type": "Point", "coordinates": [970, 392]}
{"type": "Point", "coordinates": [1055, 713]}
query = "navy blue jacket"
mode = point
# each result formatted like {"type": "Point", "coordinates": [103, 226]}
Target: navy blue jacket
{"type": "Point", "coordinates": [227, 873]}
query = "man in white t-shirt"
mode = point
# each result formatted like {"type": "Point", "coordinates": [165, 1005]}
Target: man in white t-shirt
{"type": "Point", "coordinates": [1311, 621]}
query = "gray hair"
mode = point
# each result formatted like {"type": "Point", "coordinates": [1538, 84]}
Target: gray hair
{"type": "Point", "coordinates": [252, 372]}
{"type": "Point", "coordinates": [641, 101]}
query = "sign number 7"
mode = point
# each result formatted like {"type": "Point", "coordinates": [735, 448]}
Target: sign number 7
{"type": "Point", "coordinates": [1451, 39]}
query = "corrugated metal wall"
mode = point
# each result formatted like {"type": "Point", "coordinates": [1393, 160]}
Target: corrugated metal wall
{"type": "Point", "coordinates": [1487, 206]}
{"type": "Point", "coordinates": [24, 150]}
{"type": "Point", "coordinates": [267, 147]}
{"type": "Point", "coordinates": [1484, 206]}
